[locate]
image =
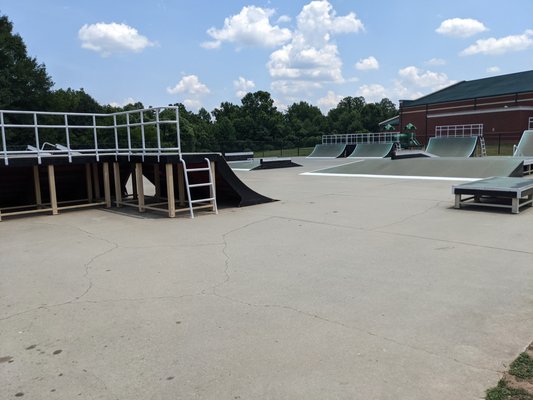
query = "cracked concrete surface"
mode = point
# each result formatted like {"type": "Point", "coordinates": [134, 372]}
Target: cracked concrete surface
{"type": "Point", "coordinates": [346, 288]}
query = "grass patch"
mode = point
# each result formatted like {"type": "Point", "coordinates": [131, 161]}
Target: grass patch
{"type": "Point", "coordinates": [522, 367]}
{"type": "Point", "coordinates": [504, 392]}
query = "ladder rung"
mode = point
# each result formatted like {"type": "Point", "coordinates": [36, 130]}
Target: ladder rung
{"type": "Point", "coordinates": [201, 184]}
{"type": "Point", "coordinates": [197, 169]}
{"type": "Point", "coordinates": [201, 200]}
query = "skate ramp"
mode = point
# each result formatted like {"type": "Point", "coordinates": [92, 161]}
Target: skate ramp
{"type": "Point", "coordinates": [452, 146]}
{"type": "Point", "coordinates": [525, 146]}
{"type": "Point", "coordinates": [328, 151]}
{"type": "Point", "coordinates": [372, 150]}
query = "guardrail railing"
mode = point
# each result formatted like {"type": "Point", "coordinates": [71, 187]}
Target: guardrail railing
{"type": "Point", "coordinates": [40, 133]}
{"type": "Point", "coordinates": [367, 137]}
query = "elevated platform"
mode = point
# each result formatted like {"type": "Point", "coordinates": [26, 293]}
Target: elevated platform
{"type": "Point", "coordinates": [448, 146]}
{"type": "Point", "coordinates": [262, 163]}
{"type": "Point", "coordinates": [57, 183]}
{"type": "Point", "coordinates": [372, 150]}
{"type": "Point", "coordinates": [334, 150]}
{"type": "Point", "coordinates": [501, 192]}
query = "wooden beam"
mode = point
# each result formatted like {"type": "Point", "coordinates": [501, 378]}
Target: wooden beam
{"type": "Point", "coordinates": [107, 185]}
{"type": "Point", "coordinates": [140, 185]}
{"type": "Point", "coordinates": [170, 191]}
{"type": "Point", "coordinates": [96, 180]}
{"type": "Point", "coordinates": [52, 186]}
{"type": "Point", "coordinates": [118, 187]}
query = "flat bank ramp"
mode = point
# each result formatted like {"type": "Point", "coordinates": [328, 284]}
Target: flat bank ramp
{"type": "Point", "coordinates": [478, 167]}
{"type": "Point", "coordinates": [452, 146]}
{"type": "Point", "coordinates": [328, 151]}
{"type": "Point", "coordinates": [372, 150]}
{"type": "Point", "coordinates": [525, 146]}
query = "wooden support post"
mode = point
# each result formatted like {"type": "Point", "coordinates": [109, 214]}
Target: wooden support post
{"type": "Point", "coordinates": [157, 181]}
{"type": "Point", "coordinates": [52, 186]}
{"type": "Point", "coordinates": [107, 184]}
{"type": "Point", "coordinates": [170, 191]}
{"type": "Point", "coordinates": [37, 185]}
{"type": "Point", "coordinates": [96, 180]}
{"type": "Point", "coordinates": [118, 186]}
{"type": "Point", "coordinates": [140, 185]}
{"type": "Point", "coordinates": [181, 185]}
{"type": "Point", "coordinates": [89, 182]}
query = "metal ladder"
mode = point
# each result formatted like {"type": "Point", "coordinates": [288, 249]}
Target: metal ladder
{"type": "Point", "coordinates": [482, 146]}
{"type": "Point", "coordinates": [211, 200]}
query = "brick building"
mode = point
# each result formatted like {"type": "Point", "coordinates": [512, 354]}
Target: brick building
{"type": "Point", "coordinates": [503, 104]}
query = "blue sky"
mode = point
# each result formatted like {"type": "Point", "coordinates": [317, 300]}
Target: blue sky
{"type": "Point", "coordinates": [202, 53]}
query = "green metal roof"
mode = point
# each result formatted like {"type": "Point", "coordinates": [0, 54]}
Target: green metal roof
{"type": "Point", "coordinates": [487, 87]}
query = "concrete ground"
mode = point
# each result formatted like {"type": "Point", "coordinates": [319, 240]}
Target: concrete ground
{"type": "Point", "coordinates": [346, 288]}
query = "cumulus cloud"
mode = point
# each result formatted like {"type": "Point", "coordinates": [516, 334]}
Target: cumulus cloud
{"type": "Point", "coordinates": [367, 64]}
{"type": "Point", "coordinates": [242, 86]}
{"type": "Point", "coordinates": [424, 79]}
{"type": "Point", "coordinates": [193, 89]}
{"type": "Point", "coordinates": [311, 56]}
{"type": "Point", "coordinates": [329, 101]}
{"type": "Point", "coordinates": [108, 39]}
{"type": "Point", "coordinates": [373, 93]}
{"type": "Point", "coordinates": [283, 19]}
{"type": "Point", "coordinates": [461, 27]}
{"type": "Point", "coordinates": [189, 84]}
{"type": "Point", "coordinates": [493, 70]}
{"type": "Point", "coordinates": [125, 102]}
{"type": "Point", "coordinates": [250, 28]}
{"type": "Point", "coordinates": [493, 46]}
{"type": "Point", "coordinates": [436, 62]}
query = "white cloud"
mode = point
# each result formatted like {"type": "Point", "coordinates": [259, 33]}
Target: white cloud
{"type": "Point", "coordinates": [367, 64]}
{"type": "Point", "coordinates": [329, 101]}
{"type": "Point", "coordinates": [372, 93]}
{"type": "Point", "coordinates": [107, 39]}
{"type": "Point", "coordinates": [125, 102]}
{"type": "Point", "coordinates": [493, 70]}
{"type": "Point", "coordinates": [189, 84]}
{"type": "Point", "coordinates": [424, 79]}
{"type": "Point", "coordinates": [250, 28]}
{"type": "Point", "coordinates": [192, 104]}
{"type": "Point", "coordinates": [310, 56]}
{"type": "Point", "coordinates": [243, 86]}
{"type": "Point", "coordinates": [493, 46]}
{"type": "Point", "coordinates": [436, 62]}
{"type": "Point", "coordinates": [461, 27]}
{"type": "Point", "coordinates": [283, 19]}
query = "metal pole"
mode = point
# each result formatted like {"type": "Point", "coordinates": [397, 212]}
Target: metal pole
{"type": "Point", "coordinates": [95, 134]}
{"type": "Point", "coordinates": [68, 138]}
{"type": "Point", "coordinates": [116, 133]}
{"type": "Point", "coordinates": [37, 145]}
{"type": "Point", "coordinates": [4, 146]}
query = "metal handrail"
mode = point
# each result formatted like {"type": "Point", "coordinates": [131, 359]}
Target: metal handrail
{"type": "Point", "coordinates": [459, 130]}
{"type": "Point", "coordinates": [362, 137]}
{"type": "Point", "coordinates": [94, 128]}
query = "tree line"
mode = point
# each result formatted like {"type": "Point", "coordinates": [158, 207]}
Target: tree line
{"type": "Point", "coordinates": [255, 124]}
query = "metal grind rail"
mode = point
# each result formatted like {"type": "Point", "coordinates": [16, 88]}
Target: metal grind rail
{"type": "Point", "coordinates": [136, 132]}
{"type": "Point", "coordinates": [356, 138]}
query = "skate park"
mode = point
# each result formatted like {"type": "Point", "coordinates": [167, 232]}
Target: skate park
{"type": "Point", "coordinates": [417, 299]}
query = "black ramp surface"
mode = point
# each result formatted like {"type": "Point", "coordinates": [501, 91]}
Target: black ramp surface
{"type": "Point", "coordinates": [229, 188]}
{"type": "Point", "coordinates": [328, 150]}
{"type": "Point", "coordinates": [446, 146]}
{"type": "Point", "coordinates": [372, 150]}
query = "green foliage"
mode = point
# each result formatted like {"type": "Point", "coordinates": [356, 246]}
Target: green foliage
{"type": "Point", "coordinates": [504, 392]}
{"type": "Point", "coordinates": [522, 367]}
{"type": "Point", "coordinates": [24, 84]}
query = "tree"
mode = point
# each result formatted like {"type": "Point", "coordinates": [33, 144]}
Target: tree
{"type": "Point", "coordinates": [305, 124]}
{"type": "Point", "coordinates": [24, 84]}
